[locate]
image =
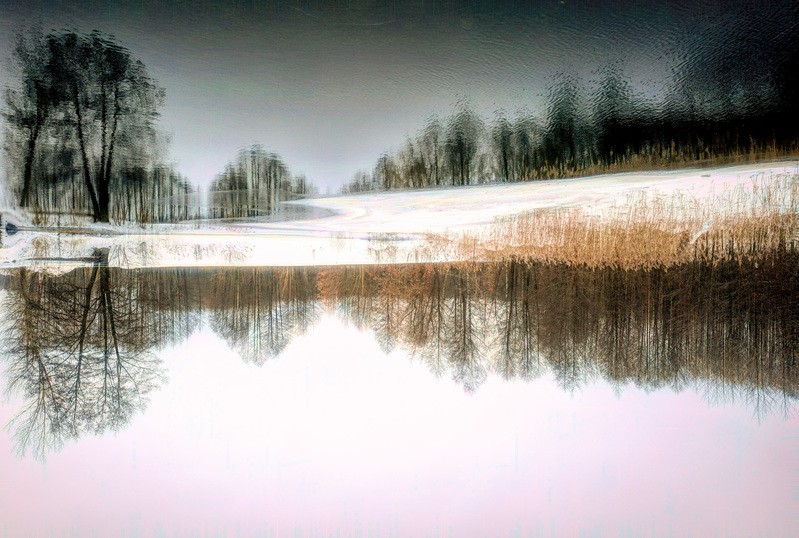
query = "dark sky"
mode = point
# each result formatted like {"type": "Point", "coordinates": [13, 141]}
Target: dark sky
{"type": "Point", "coordinates": [330, 85]}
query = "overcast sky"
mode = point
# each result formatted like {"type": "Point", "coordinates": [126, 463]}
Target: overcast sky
{"type": "Point", "coordinates": [330, 85]}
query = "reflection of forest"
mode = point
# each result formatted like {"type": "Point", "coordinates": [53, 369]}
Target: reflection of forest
{"type": "Point", "coordinates": [81, 344]}
{"type": "Point", "coordinates": [257, 311]}
{"type": "Point", "coordinates": [730, 330]}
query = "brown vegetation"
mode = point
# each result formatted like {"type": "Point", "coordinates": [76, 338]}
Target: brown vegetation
{"type": "Point", "coordinates": [648, 233]}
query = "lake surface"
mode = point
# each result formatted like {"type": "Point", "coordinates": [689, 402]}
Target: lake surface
{"type": "Point", "coordinates": [418, 400]}
{"type": "Point", "coordinates": [467, 399]}
{"type": "Point", "coordinates": [329, 86]}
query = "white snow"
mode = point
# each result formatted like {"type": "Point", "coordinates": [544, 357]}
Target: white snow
{"type": "Point", "coordinates": [385, 227]}
{"type": "Point", "coordinates": [455, 208]}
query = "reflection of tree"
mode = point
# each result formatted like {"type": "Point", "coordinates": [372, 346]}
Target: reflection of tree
{"type": "Point", "coordinates": [614, 116]}
{"type": "Point", "coordinates": [463, 139]}
{"type": "Point", "coordinates": [731, 96]}
{"type": "Point", "coordinates": [80, 351]}
{"type": "Point", "coordinates": [80, 345]}
{"type": "Point", "coordinates": [253, 184]}
{"type": "Point", "coordinates": [518, 329]}
{"type": "Point", "coordinates": [502, 142]}
{"type": "Point", "coordinates": [81, 132]}
{"type": "Point", "coordinates": [259, 310]}
{"type": "Point", "coordinates": [728, 331]}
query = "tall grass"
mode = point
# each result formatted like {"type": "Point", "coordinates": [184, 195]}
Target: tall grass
{"type": "Point", "coordinates": [671, 158]}
{"type": "Point", "coordinates": [645, 232]}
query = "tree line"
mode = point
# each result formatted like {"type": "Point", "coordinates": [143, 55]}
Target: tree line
{"type": "Point", "coordinates": [708, 113]}
{"type": "Point", "coordinates": [82, 139]}
{"type": "Point", "coordinates": [253, 184]}
{"type": "Point", "coordinates": [82, 136]}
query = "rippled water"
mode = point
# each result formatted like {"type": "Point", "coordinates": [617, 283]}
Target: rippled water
{"type": "Point", "coordinates": [405, 400]}
{"type": "Point", "coordinates": [330, 86]}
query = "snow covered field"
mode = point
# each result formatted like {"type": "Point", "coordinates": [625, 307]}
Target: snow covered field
{"type": "Point", "coordinates": [391, 227]}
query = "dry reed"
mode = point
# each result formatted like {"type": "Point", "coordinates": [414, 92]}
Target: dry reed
{"type": "Point", "coordinates": [647, 233]}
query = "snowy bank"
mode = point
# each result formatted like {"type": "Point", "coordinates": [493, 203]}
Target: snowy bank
{"type": "Point", "coordinates": [386, 227]}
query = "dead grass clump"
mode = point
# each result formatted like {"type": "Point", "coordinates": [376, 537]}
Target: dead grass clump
{"type": "Point", "coordinates": [647, 233]}
{"type": "Point", "coordinates": [669, 158]}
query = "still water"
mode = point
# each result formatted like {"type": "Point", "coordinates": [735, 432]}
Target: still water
{"type": "Point", "coordinates": [423, 400]}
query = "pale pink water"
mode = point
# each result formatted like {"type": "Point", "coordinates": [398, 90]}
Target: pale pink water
{"type": "Point", "coordinates": [339, 439]}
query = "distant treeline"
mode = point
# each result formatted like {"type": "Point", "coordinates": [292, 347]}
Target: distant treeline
{"type": "Point", "coordinates": [717, 108]}
{"type": "Point", "coordinates": [253, 184]}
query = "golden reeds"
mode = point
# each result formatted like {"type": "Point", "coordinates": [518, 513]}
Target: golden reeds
{"type": "Point", "coordinates": [647, 233]}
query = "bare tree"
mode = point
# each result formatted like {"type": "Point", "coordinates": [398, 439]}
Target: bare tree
{"type": "Point", "coordinates": [463, 139]}
{"type": "Point", "coordinates": [30, 106]}
{"type": "Point", "coordinates": [253, 184]}
{"type": "Point", "coordinates": [111, 99]}
{"type": "Point", "coordinates": [504, 151]}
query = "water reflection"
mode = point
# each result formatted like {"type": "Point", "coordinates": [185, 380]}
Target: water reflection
{"type": "Point", "coordinates": [81, 351]}
{"type": "Point", "coordinates": [730, 331]}
{"type": "Point", "coordinates": [82, 346]}
{"type": "Point", "coordinates": [257, 311]}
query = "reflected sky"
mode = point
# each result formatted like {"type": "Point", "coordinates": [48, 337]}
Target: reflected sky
{"type": "Point", "coordinates": [331, 85]}
{"type": "Point", "coordinates": [347, 439]}
{"type": "Point", "coordinates": [323, 401]}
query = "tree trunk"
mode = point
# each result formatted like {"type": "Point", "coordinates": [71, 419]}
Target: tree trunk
{"type": "Point", "coordinates": [86, 172]}
{"type": "Point", "coordinates": [27, 173]}
{"type": "Point", "coordinates": [104, 182]}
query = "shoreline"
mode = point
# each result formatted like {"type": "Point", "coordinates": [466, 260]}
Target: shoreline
{"type": "Point", "coordinates": [452, 224]}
